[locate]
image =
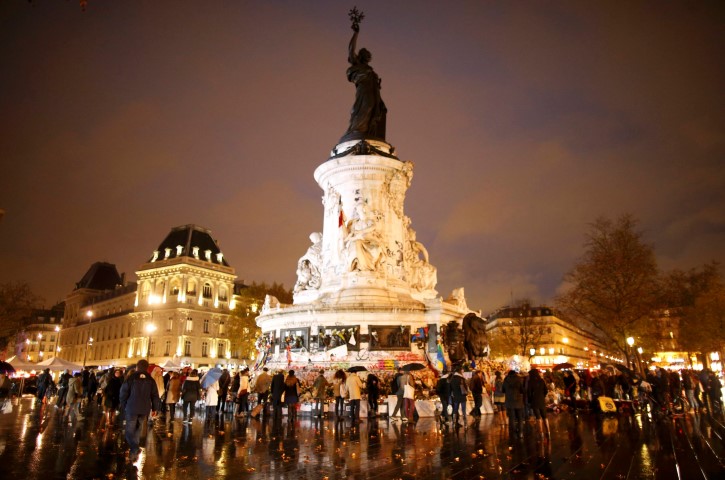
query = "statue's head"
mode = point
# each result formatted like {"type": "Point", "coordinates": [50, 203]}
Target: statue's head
{"type": "Point", "coordinates": [364, 55]}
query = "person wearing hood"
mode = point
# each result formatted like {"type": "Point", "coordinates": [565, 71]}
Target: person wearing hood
{"type": "Point", "coordinates": [513, 388]}
{"type": "Point", "coordinates": [190, 394]}
{"type": "Point", "coordinates": [139, 397]}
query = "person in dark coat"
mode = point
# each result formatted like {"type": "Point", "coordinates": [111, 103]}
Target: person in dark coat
{"type": "Point", "coordinates": [536, 391]}
{"type": "Point", "coordinates": [513, 388]}
{"type": "Point", "coordinates": [63, 388]}
{"type": "Point", "coordinates": [190, 394]}
{"type": "Point", "coordinates": [459, 394]}
{"type": "Point", "coordinates": [476, 386]}
{"type": "Point", "coordinates": [443, 389]}
{"type": "Point", "coordinates": [139, 396]}
{"type": "Point", "coordinates": [277, 388]}
{"type": "Point", "coordinates": [372, 385]}
{"type": "Point", "coordinates": [112, 395]}
{"type": "Point", "coordinates": [45, 383]}
{"type": "Point", "coordinates": [224, 382]}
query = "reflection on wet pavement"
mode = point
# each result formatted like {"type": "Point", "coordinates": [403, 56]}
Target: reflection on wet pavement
{"type": "Point", "coordinates": [37, 442]}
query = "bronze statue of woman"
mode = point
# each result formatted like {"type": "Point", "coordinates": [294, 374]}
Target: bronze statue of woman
{"type": "Point", "coordinates": [367, 118]}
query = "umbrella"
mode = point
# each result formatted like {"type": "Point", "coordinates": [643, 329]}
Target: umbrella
{"type": "Point", "coordinates": [562, 366]}
{"type": "Point", "coordinates": [411, 367]}
{"type": "Point", "coordinates": [210, 377]}
{"type": "Point", "coordinates": [357, 368]}
{"type": "Point", "coordinates": [6, 368]}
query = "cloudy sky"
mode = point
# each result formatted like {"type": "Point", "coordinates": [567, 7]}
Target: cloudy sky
{"type": "Point", "coordinates": [525, 121]}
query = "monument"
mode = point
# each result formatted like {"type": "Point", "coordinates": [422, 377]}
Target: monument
{"type": "Point", "coordinates": [365, 291]}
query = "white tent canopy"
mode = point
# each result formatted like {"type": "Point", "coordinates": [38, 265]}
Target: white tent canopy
{"type": "Point", "coordinates": [20, 364]}
{"type": "Point", "coordinates": [169, 364]}
{"type": "Point", "coordinates": [58, 364]}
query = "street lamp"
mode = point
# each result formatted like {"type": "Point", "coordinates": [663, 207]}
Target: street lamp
{"type": "Point", "coordinates": [85, 352]}
{"type": "Point", "coordinates": [57, 340]}
{"type": "Point", "coordinates": [150, 328]}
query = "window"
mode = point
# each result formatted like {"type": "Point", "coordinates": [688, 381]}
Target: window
{"type": "Point", "coordinates": [220, 350]}
{"type": "Point", "coordinates": [206, 325]}
{"type": "Point", "coordinates": [152, 347]}
{"type": "Point", "coordinates": [187, 347]}
{"type": "Point", "coordinates": [167, 347]}
{"type": "Point", "coordinates": [189, 324]}
{"type": "Point", "coordinates": [221, 328]}
{"type": "Point", "coordinates": [204, 349]}
{"type": "Point", "coordinates": [207, 290]}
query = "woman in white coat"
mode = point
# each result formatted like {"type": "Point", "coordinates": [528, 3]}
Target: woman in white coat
{"type": "Point", "coordinates": [212, 399]}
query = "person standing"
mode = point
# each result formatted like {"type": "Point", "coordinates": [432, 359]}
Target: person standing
{"type": "Point", "coordinates": [190, 394]}
{"type": "Point", "coordinates": [173, 393]}
{"type": "Point", "coordinates": [443, 389]}
{"type": "Point", "coordinates": [354, 391]}
{"type": "Point", "coordinates": [459, 394]}
{"type": "Point", "coordinates": [499, 398]}
{"type": "Point", "coordinates": [211, 399]}
{"type": "Point", "coordinates": [476, 386]}
{"type": "Point", "coordinates": [319, 393]}
{"type": "Point", "coordinates": [372, 385]}
{"type": "Point", "coordinates": [139, 397]}
{"type": "Point", "coordinates": [243, 394]}
{"type": "Point", "coordinates": [233, 390]}
{"type": "Point", "coordinates": [261, 387]}
{"type": "Point", "coordinates": [291, 395]}
{"type": "Point", "coordinates": [397, 389]}
{"type": "Point", "coordinates": [74, 396]}
{"type": "Point", "coordinates": [536, 391]}
{"type": "Point", "coordinates": [224, 382]}
{"type": "Point", "coordinates": [63, 388]}
{"type": "Point", "coordinates": [45, 384]}
{"type": "Point", "coordinates": [337, 390]}
{"type": "Point", "coordinates": [277, 389]}
{"type": "Point", "coordinates": [112, 394]}
{"type": "Point", "coordinates": [513, 388]}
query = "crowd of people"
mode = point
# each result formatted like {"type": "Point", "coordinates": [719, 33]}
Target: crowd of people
{"type": "Point", "coordinates": [143, 391]}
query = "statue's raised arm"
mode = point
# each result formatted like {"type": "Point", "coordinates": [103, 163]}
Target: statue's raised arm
{"type": "Point", "coordinates": [368, 115]}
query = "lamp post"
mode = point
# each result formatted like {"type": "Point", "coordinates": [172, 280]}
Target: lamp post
{"type": "Point", "coordinates": [57, 340]}
{"type": "Point", "coordinates": [150, 328]}
{"type": "Point", "coordinates": [85, 352]}
{"type": "Point", "coordinates": [639, 359]}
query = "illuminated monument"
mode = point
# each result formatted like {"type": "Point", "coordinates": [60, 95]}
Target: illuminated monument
{"type": "Point", "coordinates": [365, 291]}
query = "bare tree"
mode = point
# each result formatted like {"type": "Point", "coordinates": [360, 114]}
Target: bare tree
{"type": "Point", "coordinates": [696, 299]}
{"type": "Point", "coordinates": [17, 302]}
{"type": "Point", "coordinates": [243, 329]}
{"type": "Point", "coordinates": [613, 287]}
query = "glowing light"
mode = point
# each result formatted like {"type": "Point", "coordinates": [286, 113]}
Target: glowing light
{"type": "Point", "coordinates": [551, 351]}
{"type": "Point", "coordinates": [150, 328]}
{"type": "Point", "coordinates": [630, 341]}
{"type": "Point", "coordinates": [532, 351]}
{"type": "Point", "coordinates": [639, 350]}
{"type": "Point", "coordinates": [565, 340]}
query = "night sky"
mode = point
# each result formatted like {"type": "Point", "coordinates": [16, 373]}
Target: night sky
{"type": "Point", "coordinates": [525, 121]}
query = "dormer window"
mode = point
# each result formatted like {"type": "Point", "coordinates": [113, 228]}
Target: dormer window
{"type": "Point", "coordinates": [207, 255]}
{"type": "Point", "coordinates": [167, 252]}
{"type": "Point", "coordinates": [179, 250]}
{"type": "Point", "coordinates": [195, 252]}
{"type": "Point", "coordinates": [156, 256]}
{"type": "Point", "coordinates": [219, 257]}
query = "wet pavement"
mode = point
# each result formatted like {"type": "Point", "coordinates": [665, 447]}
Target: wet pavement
{"type": "Point", "coordinates": [37, 442]}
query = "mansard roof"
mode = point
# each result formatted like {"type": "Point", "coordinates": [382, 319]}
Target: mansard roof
{"type": "Point", "coordinates": [101, 276]}
{"type": "Point", "coordinates": [190, 241]}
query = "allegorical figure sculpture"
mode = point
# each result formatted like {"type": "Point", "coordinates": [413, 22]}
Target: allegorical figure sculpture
{"type": "Point", "coordinates": [367, 118]}
{"type": "Point", "coordinates": [362, 242]}
{"type": "Point", "coordinates": [308, 266]}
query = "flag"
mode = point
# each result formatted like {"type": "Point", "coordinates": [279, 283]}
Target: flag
{"type": "Point", "coordinates": [440, 359]}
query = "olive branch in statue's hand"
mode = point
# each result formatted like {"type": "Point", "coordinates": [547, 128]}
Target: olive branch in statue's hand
{"type": "Point", "coordinates": [356, 16]}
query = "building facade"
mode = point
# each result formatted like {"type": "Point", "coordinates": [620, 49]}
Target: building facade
{"type": "Point", "coordinates": [177, 310]}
